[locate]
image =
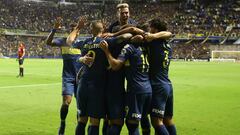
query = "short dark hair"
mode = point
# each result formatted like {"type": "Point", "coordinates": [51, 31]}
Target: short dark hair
{"type": "Point", "coordinates": [144, 26]}
{"type": "Point", "coordinates": [158, 24]}
{"type": "Point", "coordinates": [95, 25]}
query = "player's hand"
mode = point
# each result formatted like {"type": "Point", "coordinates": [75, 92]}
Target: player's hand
{"type": "Point", "coordinates": [81, 22]}
{"type": "Point", "coordinates": [148, 37]}
{"type": "Point", "coordinates": [106, 35]}
{"type": "Point", "coordinates": [58, 23]}
{"type": "Point", "coordinates": [104, 45]}
{"type": "Point", "coordinates": [87, 60]}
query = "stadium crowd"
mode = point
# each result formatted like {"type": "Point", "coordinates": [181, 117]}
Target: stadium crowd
{"type": "Point", "coordinates": [185, 17]}
{"type": "Point", "coordinates": [35, 46]}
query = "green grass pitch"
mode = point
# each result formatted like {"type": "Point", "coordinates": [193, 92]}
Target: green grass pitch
{"type": "Point", "coordinates": [207, 98]}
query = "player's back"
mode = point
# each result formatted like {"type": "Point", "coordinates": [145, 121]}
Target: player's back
{"type": "Point", "coordinates": [136, 69]}
{"type": "Point", "coordinates": [159, 59]}
{"type": "Point", "coordinates": [97, 70]}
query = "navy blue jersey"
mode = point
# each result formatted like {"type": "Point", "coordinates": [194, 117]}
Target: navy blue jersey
{"type": "Point", "coordinates": [70, 56]}
{"type": "Point", "coordinates": [116, 78]}
{"type": "Point", "coordinates": [159, 59]}
{"type": "Point", "coordinates": [97, 70]}
{"type": "Point", "coordinates": [136, 69]}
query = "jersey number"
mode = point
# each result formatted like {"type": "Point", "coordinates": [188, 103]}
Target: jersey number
{"type": "Point", "coordinates": [166, 59]}
{"type": "Point", "coordinates": [92, 54]}
{"type": "Point", "coordinates": [145, 63]}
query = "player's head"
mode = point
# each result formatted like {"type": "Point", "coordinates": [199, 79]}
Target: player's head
{"type": "Point", "coordinates": [96, 27]}
{"type": "Point", "coordinates": [21, 45]}
{"type": "Point", "coordinates": [123, 12]}
{"type": "Point", "coordinates": [144, 27]}
{"type": "Point", "coordinates": [157, 25]}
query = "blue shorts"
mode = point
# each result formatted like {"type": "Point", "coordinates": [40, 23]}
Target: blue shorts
{"type": "Point", "coordinates": [162, 101]}
{"type": "Point", "coordinates": [90, 99]}
{"type": "Point", "coordinates": [138, 105]}
{"type": "Point", "coordinates": [69, 86]}
{"type": "Point", "coordinates": [115, 105]}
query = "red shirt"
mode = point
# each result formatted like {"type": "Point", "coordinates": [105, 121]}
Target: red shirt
{"type": "Point", "coordinates": [21, 50]}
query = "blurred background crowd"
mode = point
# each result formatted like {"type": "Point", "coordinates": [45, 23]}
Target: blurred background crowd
{"type": "Point", "coordinates": [182, 17]}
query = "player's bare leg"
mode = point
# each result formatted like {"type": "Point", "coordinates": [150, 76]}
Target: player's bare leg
{"type": "Point", "coordinates": [168, 122]}
{"type": "Point", "coordinates": [66, 101]}
{"type": "Point", "coordinates": [21, 68]}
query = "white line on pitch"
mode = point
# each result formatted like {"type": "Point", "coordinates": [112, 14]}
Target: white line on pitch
{"type": "Point", "coordinates": [30, 85]}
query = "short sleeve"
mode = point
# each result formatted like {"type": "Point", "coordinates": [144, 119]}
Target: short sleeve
{"type": "Point", "coordinates": [78, 44]}
{"type": "Point", "coordinates": [126, 52]}
{"type": "Point", "coordinates": [59, 42]}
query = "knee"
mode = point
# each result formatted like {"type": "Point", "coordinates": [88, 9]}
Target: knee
{"type": "Point", "coordinates": [67, 100]}
{"type": "Point", "coordinates": [132, 125]}
{"type": "Point", "coordinates": [155, 121]}
{"type": "Point", "coordinates": [117, 122]}
{"type": "Point", "coordinates": [168, 121]}
{"type": "Point", "coordinates": [83, 119]}
{"type": "Point", "coordinates": [94, 121]}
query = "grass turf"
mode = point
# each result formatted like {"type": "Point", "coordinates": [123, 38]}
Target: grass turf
{"type": "Point", "coordinates": [207, 98]}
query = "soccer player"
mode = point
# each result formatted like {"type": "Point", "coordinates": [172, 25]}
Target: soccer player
{"type": "Point", "coordinates": [91, 89]}
{"type": "Point", "coordinates": [162, 101]}
{"type": "Point", "coordinates": [116, 95]}
{"type": "Point", "coordinates": [70, 69]}
{"type": "Point", "coordinates": [21, 54]}
{"type": "Point", "coordinates": [159, 59]}
{"type": "Point", "coordinates": [139, 93]}
{"type": "Point", "coordinates": [92, 84]}
{"type": "Point", "coordinates": [123, 15]}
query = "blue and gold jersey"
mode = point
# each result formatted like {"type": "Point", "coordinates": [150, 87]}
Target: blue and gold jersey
{"type": "Point", "coordinates": [69, 56]}
{"type": "Point", "coordinates": [136, 68]}
{"type": "Point", "coordinates": [96, 72]}
{"type": "Point", "coordinates": [160, 53]}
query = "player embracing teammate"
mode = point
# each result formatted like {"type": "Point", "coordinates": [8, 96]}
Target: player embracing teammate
{"type": "Point", "coordinates": [159, 52]}
{"type": "Point", "coordinates": [144, 60]}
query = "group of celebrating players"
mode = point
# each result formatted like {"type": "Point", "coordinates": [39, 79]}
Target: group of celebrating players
{"type": "Point", "coordinates": [138, 53]}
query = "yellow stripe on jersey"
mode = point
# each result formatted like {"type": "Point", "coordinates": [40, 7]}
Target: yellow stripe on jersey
{"type": "Point", "coordinates": [70, 50]}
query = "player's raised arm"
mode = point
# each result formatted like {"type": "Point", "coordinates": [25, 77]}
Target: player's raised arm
{"type": "Point", "coordinates": [132, 30]}
{"type": "Point", "coordinates": [72, 36]}
{"type": "Point", "coordinates": [159, 35]}
{"type": "Point", "coordinates": [50, 37]}
{"type": "Point", "coordinates": [114, 63]}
